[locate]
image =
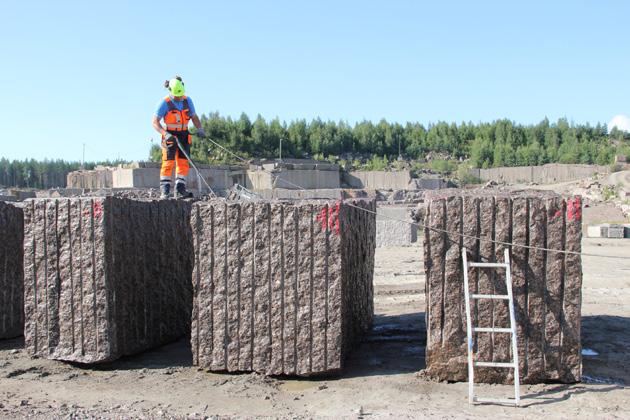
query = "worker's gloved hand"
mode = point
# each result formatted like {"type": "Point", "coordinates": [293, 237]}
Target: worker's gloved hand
{"type": "Point", "coordinates": [201, 133]}
{"type": "Point", "coordinates": [167, 139]}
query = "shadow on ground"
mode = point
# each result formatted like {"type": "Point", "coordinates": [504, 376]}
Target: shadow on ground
{"type": "Point", "coordinates": [174, 355]}
{"type": "Point", "coordinates": [395, 345]}
{"type": "Point", "coordinates": [12, 344]}
{"type": "Point", "coordinates": [562, 393]}
{"type": "Point", "coordinates": [609, 337]}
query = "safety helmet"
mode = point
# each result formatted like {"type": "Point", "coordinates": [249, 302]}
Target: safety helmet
{"type": "Point", "coordinates": [176, 87]}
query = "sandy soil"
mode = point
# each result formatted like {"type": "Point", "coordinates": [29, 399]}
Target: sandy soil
{"type": "Point", "coordinates": [380, 379]}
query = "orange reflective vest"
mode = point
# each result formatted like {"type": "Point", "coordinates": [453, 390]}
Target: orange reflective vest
{"type": "Point", "coordinates": [175, 119]}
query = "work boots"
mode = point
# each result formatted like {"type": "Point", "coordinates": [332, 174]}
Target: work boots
{"type": "Point", "coordinates": [181, 192]}
{"type": "Point", "coordinates": [165, 191]}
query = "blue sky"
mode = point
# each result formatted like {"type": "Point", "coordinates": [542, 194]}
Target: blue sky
{"type": "Point", "coordinates": [92, 72]}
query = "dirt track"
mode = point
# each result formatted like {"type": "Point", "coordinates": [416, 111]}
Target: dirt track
{"type": "Point", "coordinates": [380, 379]}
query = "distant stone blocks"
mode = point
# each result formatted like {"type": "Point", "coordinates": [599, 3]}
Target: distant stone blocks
{"type": "Point", "coordinates": [607, 230]}
{"type": "Point", "coordinates": [394, 227]}
{"type": "Point", "coordinates": [106, 277]}
{"type": "Point", "coordinates": [546, 285]}
{"type": "Point", "coordinates": [11, 271]}
{"type": "Point", "coordinates": [281, 287]}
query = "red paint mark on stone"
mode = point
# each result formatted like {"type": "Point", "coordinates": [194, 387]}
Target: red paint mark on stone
{"type": "Point", "coordinates": [558, 214]}
{"type": "Point", "coordinates": [336, 218]}
{"type": "Point", "coordinates": [97, 210]}
{"type": "Point", "coordinates": [328, 217]}
{"type": "Point", "coordinates": [574, 209]}
{"type": "Point", "coordinates": [322, 218]}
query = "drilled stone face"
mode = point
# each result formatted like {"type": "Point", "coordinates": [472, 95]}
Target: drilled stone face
{"type": "Point", "coordinates": [107, 277]}
{"type": "Point", "coordinates": [11, 272]}
{"type": "Point", "coordinates": [279, 287]}
{"type": "Point", "coordinates": [546, 285]}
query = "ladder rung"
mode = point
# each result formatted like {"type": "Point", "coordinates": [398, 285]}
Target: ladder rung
{"type": "Point", "coordinates": [487, 265]}
{"type": "Point", "coordinates": [495, 400]}
{"type": "Point", "coordinates": [506, 297]}
{"type": "Point", "coordinates": [494, 364]}
{"type": "Point", "coordinates": [491, 330]}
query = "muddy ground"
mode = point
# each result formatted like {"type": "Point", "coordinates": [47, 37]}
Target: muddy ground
{"type": "Point", "coordinates": [380, 379]}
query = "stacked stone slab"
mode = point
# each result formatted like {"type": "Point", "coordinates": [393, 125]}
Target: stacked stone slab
{"type": "Point", "coordinates": [105, 277]}
{"type": "Point", "coordinates": [281, 287]}
{"type": "Point", "coordinates": [11, 274]}
{"type": "Point", "coordinates": [546, 285]}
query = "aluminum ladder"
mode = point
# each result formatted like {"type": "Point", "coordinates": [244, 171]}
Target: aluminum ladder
{"type": "Point", "coordinates": [470, 330]}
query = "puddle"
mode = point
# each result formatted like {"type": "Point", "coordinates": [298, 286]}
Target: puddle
{"type": "Point", "coordinates": [589, 352]}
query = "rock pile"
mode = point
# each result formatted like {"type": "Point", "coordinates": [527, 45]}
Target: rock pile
{"type": "Point", "coordinates": [281, 287]}
{"type": "Point", "coordinates": [546, 285]}
{"type": "Point", "coordinates": [107, 276]}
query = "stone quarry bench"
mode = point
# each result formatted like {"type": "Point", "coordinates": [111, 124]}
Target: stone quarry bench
{"type": "Point", "coordinates": [11, 271]}
{"type": "Point", "coordinates": [105, 277]}
{"type": "Point", "coordinates": [281, 287]}
{"type": "Point", "coordinates": [546, 285]}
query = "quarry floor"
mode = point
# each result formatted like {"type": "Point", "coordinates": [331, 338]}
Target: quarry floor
{"type": "Point", "coordinates": [380, 379]}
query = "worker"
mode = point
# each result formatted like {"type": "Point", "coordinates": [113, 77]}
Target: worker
{"type": "Point", "coordinates": [177, 110]}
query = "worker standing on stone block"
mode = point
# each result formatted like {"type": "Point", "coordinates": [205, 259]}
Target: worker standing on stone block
{"type": "Point", "coordinates": [177, 110]}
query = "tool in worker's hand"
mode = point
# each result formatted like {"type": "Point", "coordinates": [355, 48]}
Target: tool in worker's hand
{"type": "Point", "coordinates": [168, 139]}
{"type": "Point", "coordinates": [199, 177]}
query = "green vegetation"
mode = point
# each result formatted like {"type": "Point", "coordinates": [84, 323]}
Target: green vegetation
{"type": "Point", "coordinates": [499, 143]}
{"type": "Point", "coordinates": [609, 192]}
{"type": "Point", "coordinates": [442, 166]}
{"type": "Point", "coordinates": [464, 176]}
{"type": "Point", "coordinates": [449, 148]}
{"type": "Point", "coordinates": [40, 174]}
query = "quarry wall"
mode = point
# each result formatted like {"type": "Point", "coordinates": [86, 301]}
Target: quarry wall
{"type": "Point", "coordinates": [545, 174]}
{"type": "Point", "coordinates": [376, 180]}
{"type": "Point", "coordinates": [293, 179]}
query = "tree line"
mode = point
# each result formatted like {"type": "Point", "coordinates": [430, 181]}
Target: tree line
{"type": "Point", "coordinates": [43, 174]}
{"type": "Point", "coordinates": [499, 143]}
{"type": "Point", "coordinates": [483, 145]}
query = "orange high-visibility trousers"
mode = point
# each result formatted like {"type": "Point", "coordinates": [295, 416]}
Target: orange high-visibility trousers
{"type": "Point", "coordinates": [173, 158]}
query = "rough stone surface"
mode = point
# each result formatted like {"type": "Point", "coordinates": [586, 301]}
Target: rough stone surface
{"type": "Point", "coordinates": [546, 285]}
{"type": "Point", "coordinates": [281, 287]}
{"type": "Point", "coordinates": [11, 271]}
{"type": "Point", "coordinates": [106, 277]}
{"type": "Point", "coordinates": [393, 226]}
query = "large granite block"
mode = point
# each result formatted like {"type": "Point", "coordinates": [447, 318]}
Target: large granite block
{"type": "Point", "coordinates": [546, 285]}
{"type": "Point", "coordinates": [393, 226]}
{"type": "Point", "coordinates": [281, 287]}
{"type": "Point", "coordinates": [106, 277]}
{"type": "Point", "coordinates": [11, 271]}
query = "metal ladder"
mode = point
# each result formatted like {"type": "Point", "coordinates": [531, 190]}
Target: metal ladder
{"type": "Point", "coordinates": [511, 330]}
